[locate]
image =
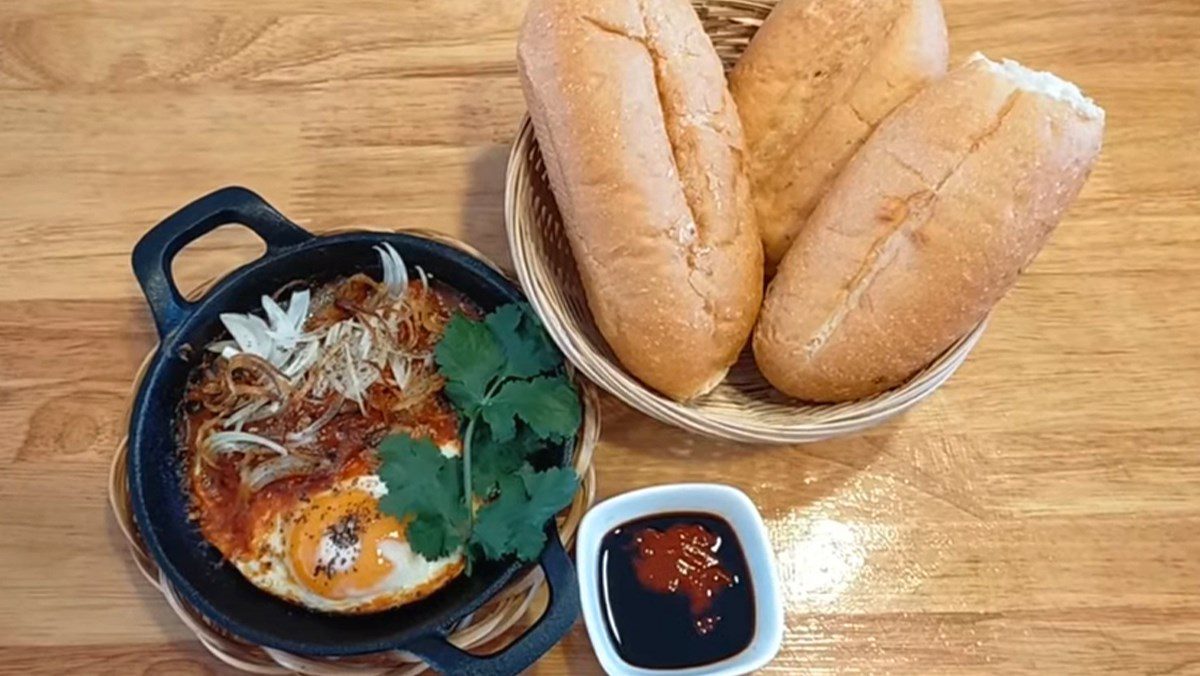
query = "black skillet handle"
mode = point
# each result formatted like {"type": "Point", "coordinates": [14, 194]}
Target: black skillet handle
{"type": "Point", "coordinates": [560, 616]}
{"type": "Point", "coordinates": [153, 254]}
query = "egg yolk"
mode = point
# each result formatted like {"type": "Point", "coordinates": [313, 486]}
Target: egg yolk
{"type": "Point", "coordinates": [334, 544]}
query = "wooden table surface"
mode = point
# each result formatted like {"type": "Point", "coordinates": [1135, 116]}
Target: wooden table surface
{"type": "Point", "coordinates": [1040, 514]}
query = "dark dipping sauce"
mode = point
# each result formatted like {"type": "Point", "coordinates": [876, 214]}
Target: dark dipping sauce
{"type": "Point", "coordinates": [675, 591]}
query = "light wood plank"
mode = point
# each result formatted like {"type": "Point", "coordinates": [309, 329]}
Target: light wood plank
{"type": "Point", "coordinates": [1040, 514]}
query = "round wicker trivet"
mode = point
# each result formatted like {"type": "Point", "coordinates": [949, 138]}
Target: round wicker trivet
{"type": "Point", "coordinates": [488, 623]}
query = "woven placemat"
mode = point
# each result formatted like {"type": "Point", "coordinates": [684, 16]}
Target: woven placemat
{"type": "Point", "coordinates": [485, 625]}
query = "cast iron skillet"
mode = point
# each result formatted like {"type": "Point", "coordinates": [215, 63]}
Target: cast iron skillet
{"type": "Point", "coordinates": [160, 504]}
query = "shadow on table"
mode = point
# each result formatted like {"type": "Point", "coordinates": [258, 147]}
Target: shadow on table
{"type": "Point", "coordinates": [637, 451]}
{"type": "Point", "coordinates": [483, 205]}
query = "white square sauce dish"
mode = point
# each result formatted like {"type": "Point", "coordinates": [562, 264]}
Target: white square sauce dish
{"type": "Point", "coordinates": [679, 579]}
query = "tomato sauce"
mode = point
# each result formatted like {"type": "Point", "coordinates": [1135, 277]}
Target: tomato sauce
{"type": "Point", "coordinates": [229, 513]}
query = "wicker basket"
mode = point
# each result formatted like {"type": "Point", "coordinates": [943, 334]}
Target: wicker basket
{"type": "Point", "coordinates": [744, 407]}
{"type": "Point", "coordinates": [485, 628]}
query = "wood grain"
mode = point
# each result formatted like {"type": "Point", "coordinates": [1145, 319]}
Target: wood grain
{"type": "Point", "coordinates": [1040, 514]}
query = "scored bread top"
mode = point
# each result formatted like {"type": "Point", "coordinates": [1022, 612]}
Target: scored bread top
{"type": "Point", "coordinates": [642, 142]}
{"type": "Point", "coordinates": [926, 229]}
{"type": "Point", "coordinates": [814, 82]}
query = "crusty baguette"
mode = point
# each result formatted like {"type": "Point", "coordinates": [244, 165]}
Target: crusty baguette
{"type": "Point", "coordinates": [642, 142]}
{"type": "Point", "coordinates": [814, 82]}
{"type": "Point", "coordinates": [926, 229]}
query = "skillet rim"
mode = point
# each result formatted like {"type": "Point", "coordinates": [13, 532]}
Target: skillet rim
{"type": "Point", "coordinates": [200, 314]}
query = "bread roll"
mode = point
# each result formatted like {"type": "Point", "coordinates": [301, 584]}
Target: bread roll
{"type": "Point", "coordinates": [814, 82]}
{"type": "Point", "coordinates": [926, 229]}
{"type": "Point", "coordinates": [642, 144]}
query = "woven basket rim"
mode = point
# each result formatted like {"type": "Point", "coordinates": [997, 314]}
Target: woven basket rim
{"type": "Point", "coordinates": [841, 419]}
{"type": "Point", "coordinates": [506, 608]}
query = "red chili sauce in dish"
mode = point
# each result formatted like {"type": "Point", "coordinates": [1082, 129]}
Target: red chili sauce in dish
{"type": "Point", "coordinates": [675, 591]}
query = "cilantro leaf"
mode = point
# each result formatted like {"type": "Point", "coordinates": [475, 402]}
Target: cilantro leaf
{"type": "Point", "coordinates": [527, 542]}
{"type": "Point", "coordinates": [499, 417]}
{"type": "Point", "coordinates": [514, 522]}
{"type": "Point", "coordinates": [432, 536]}
{"type": "Point", "coordinates": [496, 521]}
{"type": "Point", "coordinates": [492, 530]}
{"type": "Point", "coordinates": [492, 459]}
{"type": "Point", "coordinates": [549, 405]}
{"type": "Point", "coordinates": [523, 341]}
{"type": "Point", "coordinates": [427, 486]}
{"type": "Point", "coordinates": [419, 478]}
{"type": "Point", "coordinates": [549, 490]}
{"type": "Point", "coordinates": [468, 355]}
{"type": "Point", "coordinates": [495, 369]}
{"type": "Point", "coordinates": [463, 398]}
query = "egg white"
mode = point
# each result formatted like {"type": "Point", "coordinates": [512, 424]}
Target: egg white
{"type": "Point", "coordinates": [412, 577]}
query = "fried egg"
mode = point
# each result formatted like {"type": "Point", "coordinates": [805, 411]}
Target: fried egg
{"type": "Point", "coordinates": [336, 552]}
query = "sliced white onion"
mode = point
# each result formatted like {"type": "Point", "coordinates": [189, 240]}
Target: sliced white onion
{"type": "Point", "coordinates": [353, 388]}
{"type": "Point", "coordinates": [233, 441]}
{"type": "Point", "coordinates": [389, 276]}
{"type": "Point", "coordinates": [301, 360]}
{"type": "Point", "coordinates": [249, 332]}
{"type": "Point", "coordinates": [269, 471]}
{"type": "Point", "coordinates": [273, 339]}
{"type": "Point", "coordinates": [243, 414]}
{"type": "Point", "coordinates": [424, 278]}
{"type": "Point", "coordinates": [276, 317]}
{"type": "Point", "coordinates": [298, 304]}
{"type": "Point", "coordinates": [334, 334]}
{"type": "Point", "coordinates": [287, 328]}
{"type": "Point", "coordinates": [395, 274]}
{"type": "Point", "coordinates": [221, 346]}
{"type": "Point", "coordinates": [308, 434]}
{"type": "Point", "coordinates": [364, 344]}
{"type": "Point", "coordinates": [400, 371]}
{"type": "Point", "coordinates": [266, 412]}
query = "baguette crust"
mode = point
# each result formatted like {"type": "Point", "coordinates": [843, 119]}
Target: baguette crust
{"type": "Point", "coordinates": [813, 84]}
{"type": "Point", "coordinates": [642, 145]}
{"type": "Point", "coordinates": [927, 228]}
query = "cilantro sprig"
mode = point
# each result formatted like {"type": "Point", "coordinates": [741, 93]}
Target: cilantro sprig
{"type": "Point", "coordinates": [506, 381]}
